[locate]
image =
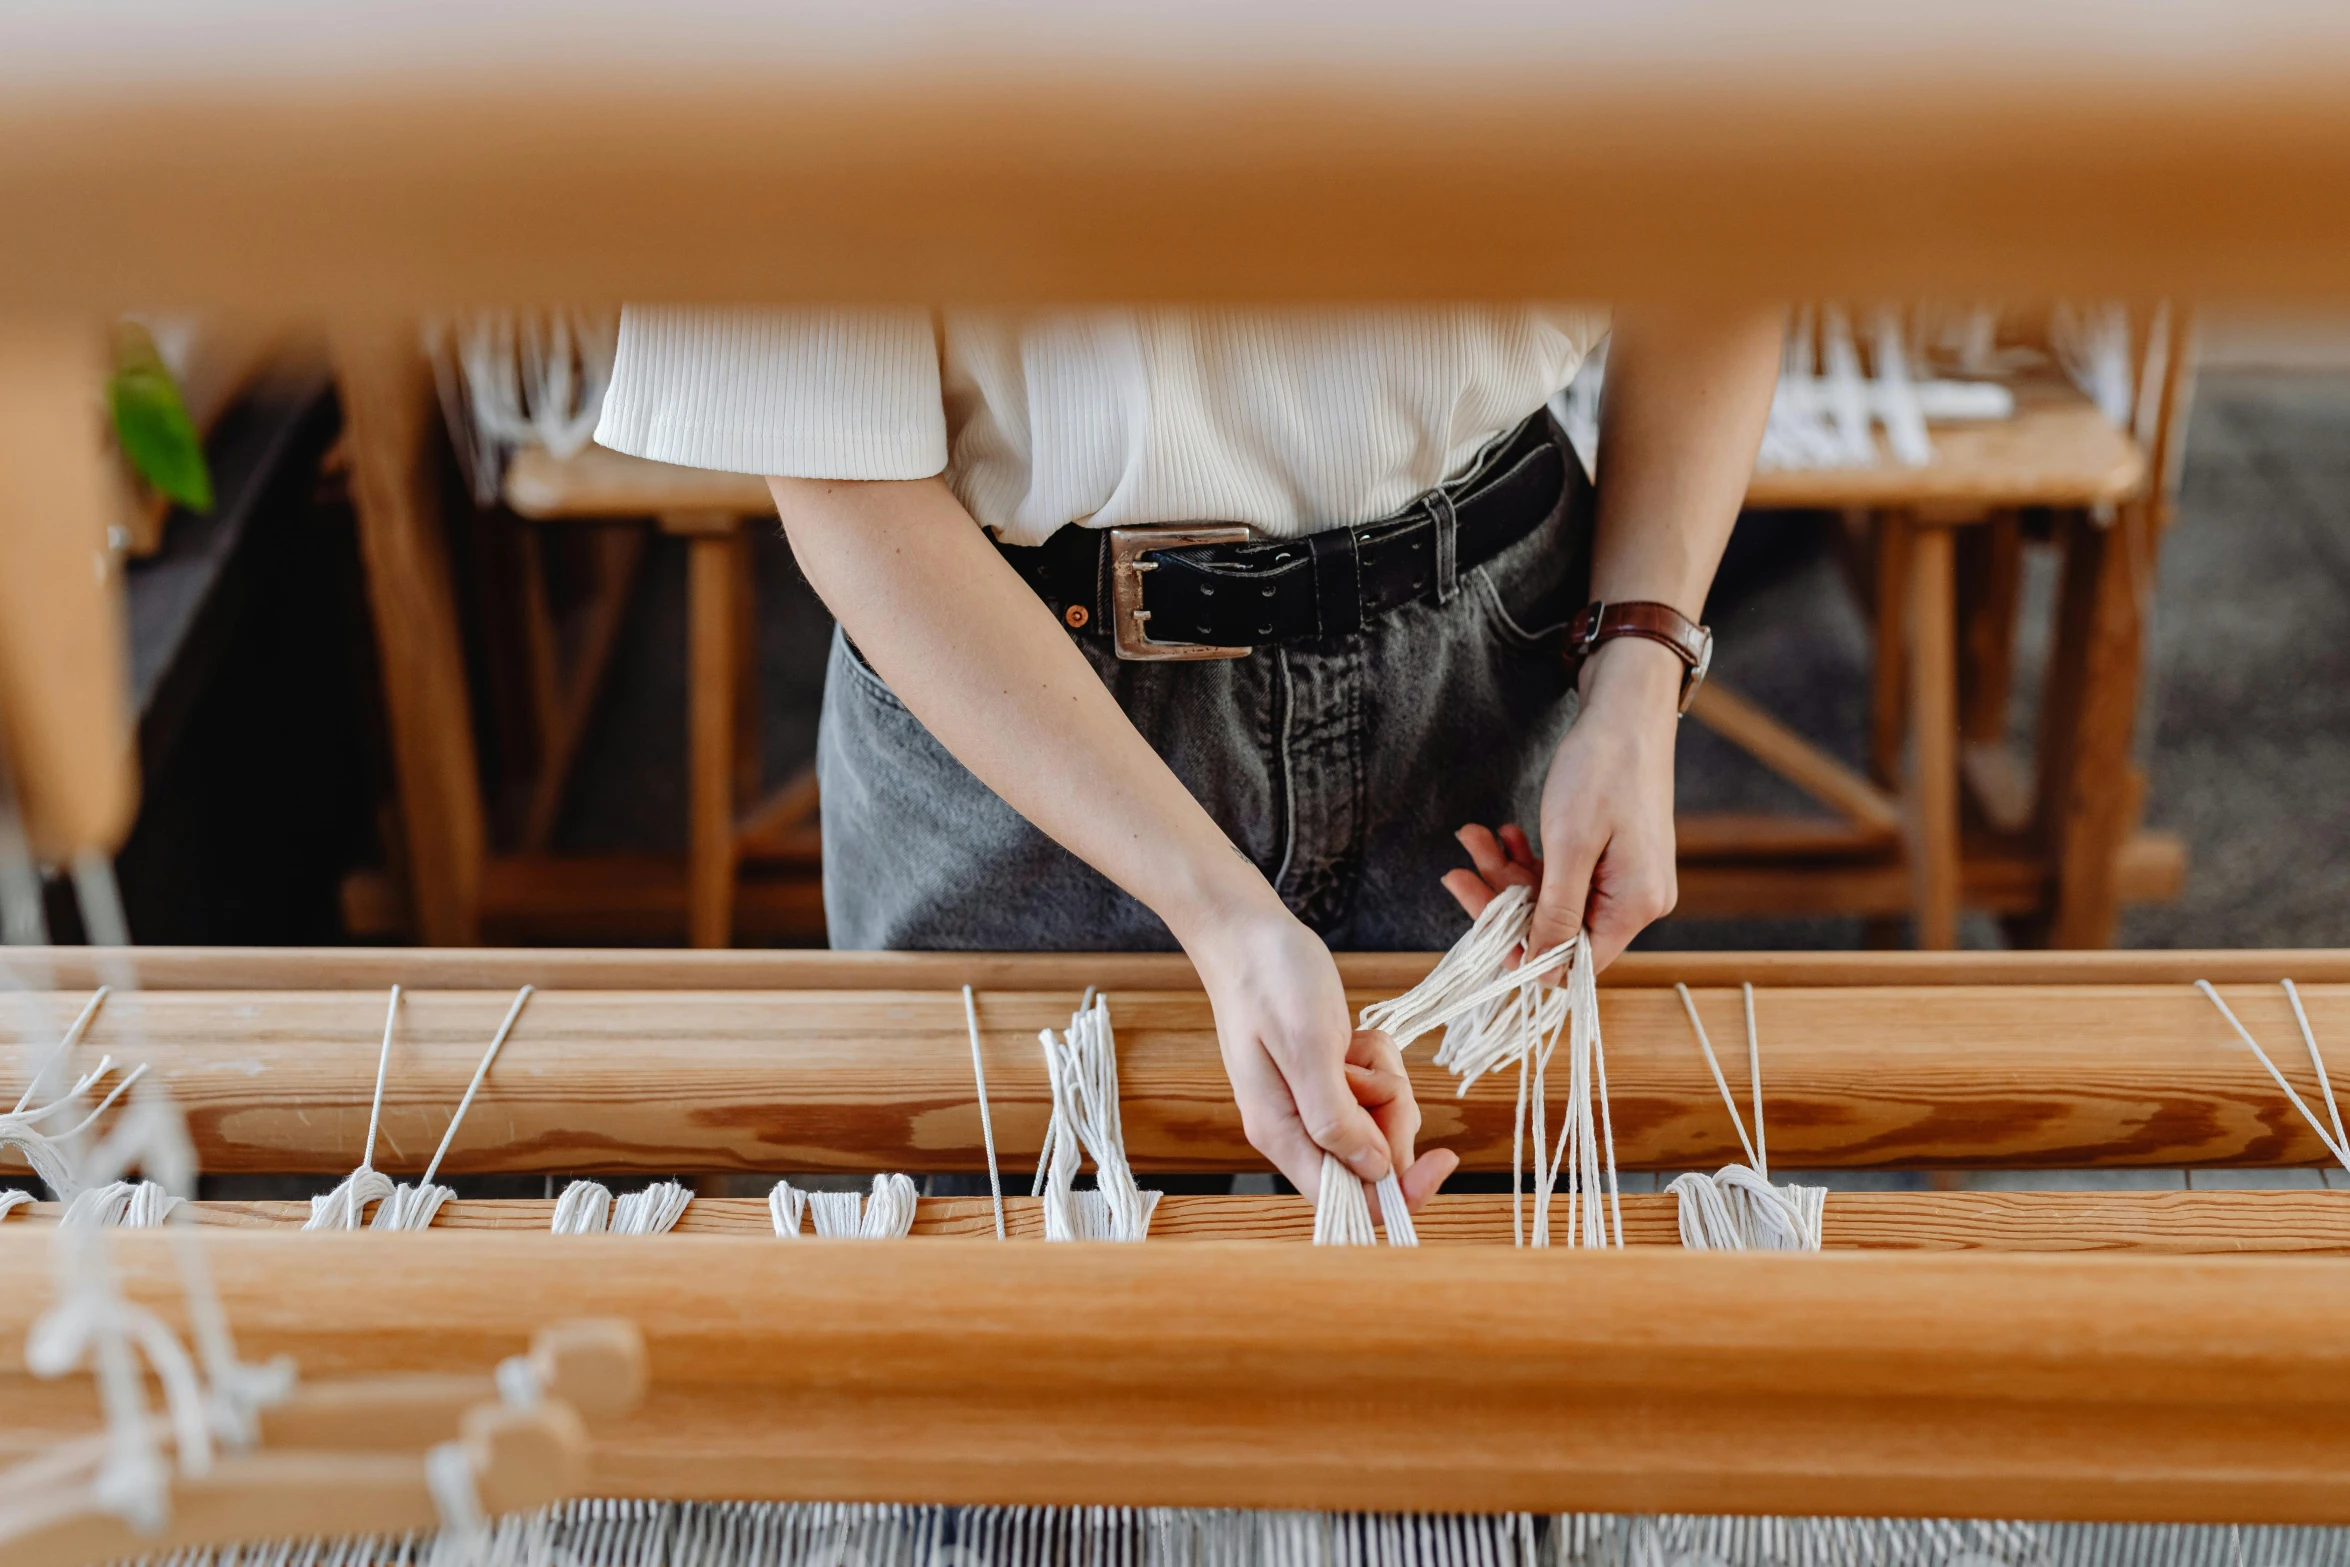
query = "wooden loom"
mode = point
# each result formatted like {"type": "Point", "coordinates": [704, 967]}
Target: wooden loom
{"type": "Point", "coordinates": [1893, 154]}
{"type": "Point", "coordinates": [2090, 1355]}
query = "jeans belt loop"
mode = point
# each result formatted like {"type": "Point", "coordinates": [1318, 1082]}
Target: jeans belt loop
{"type": "Point", "coordinates": [1448, 531]}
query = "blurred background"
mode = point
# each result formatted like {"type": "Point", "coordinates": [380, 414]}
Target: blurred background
{"type": "Point", "coordinates": [636, 664]}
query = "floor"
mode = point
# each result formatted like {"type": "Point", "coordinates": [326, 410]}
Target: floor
{"type": "Point", "coordinates": [2246, 733]}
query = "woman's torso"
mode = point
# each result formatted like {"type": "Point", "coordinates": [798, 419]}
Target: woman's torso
{"type": "Point", "coordinates": [1289, 420]}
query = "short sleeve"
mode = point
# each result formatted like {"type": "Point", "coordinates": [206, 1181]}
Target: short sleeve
{"type": "Point", "coordinates": [808, 394]}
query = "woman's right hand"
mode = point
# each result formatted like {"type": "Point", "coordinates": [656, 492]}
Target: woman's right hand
{"type": "Point", "coordinates": [1304, 1078]}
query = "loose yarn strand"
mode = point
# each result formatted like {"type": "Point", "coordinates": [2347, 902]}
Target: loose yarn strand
{"type": "Point", "coordinates": [2338, 1147]}
{"type": "Point", "coordinates": [1762, 1146]}
{"type": "Point", "coordinates": [341, 1208]}
{"type": "Point", "coordinates": [62, 1049]}
{"type": "Point", "coordinates": [995, 1182]}
{"type": "Point", "coordinates": [1343, 1218]}
{"type": "Point", "coordinates": [2309, 1037]}
{"type": "Point", "coordinates": [1737, 1208]}
{"type": "Point", "coordinates": [413, 1207]}
{"type": "Point", "coordinates": [1081, 1066]}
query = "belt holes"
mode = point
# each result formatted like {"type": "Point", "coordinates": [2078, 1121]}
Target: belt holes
{"type": "Point", "coordinates": [1264, 593]}
{"type": "Point", "coordinates": [1264, 631]}
{"type": "Point", "coordinates": [1207, 590]}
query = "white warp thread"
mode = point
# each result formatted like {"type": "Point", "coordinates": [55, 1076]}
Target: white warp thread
{"type": "Point", "coordinates": [1495, 1017]}
{"type": "Point", "coordinates": [787, 1205]}
{"type": "Point", "coordinates": [587, 1208]}
{"type": "Point", "coordinates": [20, 1127]}
{"type": "Point", "coordinates": [653, 1211]}
{"type": "Point", "coordinates": [1082, 1067]}
{"type": "Point", "coordinates": [2337, 1143]}
{"type": "Point", "coordinates": [13, 1198]}
{"type": "Point", "coordinates": [1737, 1208]}
{"type": "Point", "coordinates": [886, 1213]}
{"type": "Point", "coordinates": [125, 1205]}
{"type": "Point", "coordinates": [995, 1181]}
{"type": "Point", "coordinates": [509, 380]}
{"type": "Point", "coordinates": [414, 1207]}
{"type": "Point", "coordinates": [346, 1206]}
{"type": "Point", "coordinates": [1342, 1217]}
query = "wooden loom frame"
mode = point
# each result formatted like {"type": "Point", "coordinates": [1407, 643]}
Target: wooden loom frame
{"type": "Point", "coordinates": [2135, 1385]}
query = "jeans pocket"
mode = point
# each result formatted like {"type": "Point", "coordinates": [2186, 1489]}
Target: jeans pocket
{"type": "Point", "coordinates": [863, 677]}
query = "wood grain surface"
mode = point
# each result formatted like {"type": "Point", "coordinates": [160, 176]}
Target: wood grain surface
{"type": "Point", "coordinates": [1215, 153]}
{"type": "Point", "coordinates": [1258, 1375]}
{"type": "Point", "coordinates": [634, 968]}
{"type": "Point", "coordinates": [2182, 1223]}
{"type": "Point", "coordinates": [717, 1081]}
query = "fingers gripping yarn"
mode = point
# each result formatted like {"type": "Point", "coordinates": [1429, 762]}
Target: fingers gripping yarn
{"type": "Point", "coordinates": [1343, 1218]}
{"type": "Point", "coordinates": [1496, 1015]}
{"type": "Point", "coordinates": [1737, 1208]}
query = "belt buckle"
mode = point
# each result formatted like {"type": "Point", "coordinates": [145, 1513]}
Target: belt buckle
{"type": "Point", "coordinates": [1128, 618]}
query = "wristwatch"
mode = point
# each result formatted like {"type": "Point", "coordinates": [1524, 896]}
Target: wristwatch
{"type": "Point", "coordinates": [1600, 621]}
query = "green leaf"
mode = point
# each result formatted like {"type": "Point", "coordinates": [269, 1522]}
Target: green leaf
{"type": "Point", "coordinates": [153, 426]}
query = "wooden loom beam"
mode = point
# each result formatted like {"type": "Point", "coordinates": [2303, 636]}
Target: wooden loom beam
{"type": "Point", "coordinates": [716, 1081]}
{"type": "Point", "coordinates": [2177, 1223]}
{"type": "Point", "coordinates": [2147, 1389]}
{"type": "Point", "coordinates": [362, 968]}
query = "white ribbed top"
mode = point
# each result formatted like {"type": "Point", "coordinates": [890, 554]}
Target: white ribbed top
{"type": "Point", "coordinates": [1289, 420]}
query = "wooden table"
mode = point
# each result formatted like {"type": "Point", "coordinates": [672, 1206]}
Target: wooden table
{"type": "Point", "coordinates": [2056, 855]}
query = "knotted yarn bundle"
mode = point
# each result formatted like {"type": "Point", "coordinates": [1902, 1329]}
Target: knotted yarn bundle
{"type": "Point", "coordinates": [125, 1205]}
{"type": "Point", "coordinates": [1082, 1067]}
{"type": "Point", "coordinates": [587, 1208]}
{"type": "Point", "coordinates": [1737, 1208]}
{"type": "Point", "coordinates": [886, 1213]}
{"type": "Point", "coordinates": [1497, 1012]}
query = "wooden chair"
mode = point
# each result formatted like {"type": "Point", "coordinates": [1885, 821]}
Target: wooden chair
{"type": "Point", "coordinates": [710, 511]}
{"type": "Point", "coordinates": [458, 890]}
{"type": "Point", "coordinates": [1948, 816]}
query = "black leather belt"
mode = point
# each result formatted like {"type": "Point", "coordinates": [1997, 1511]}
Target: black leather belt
{"type": "Point", "coordinates": [1209, 590]}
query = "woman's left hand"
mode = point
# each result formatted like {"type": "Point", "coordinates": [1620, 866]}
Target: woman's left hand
{"type": "Point", "coordinates": [1607, 812]}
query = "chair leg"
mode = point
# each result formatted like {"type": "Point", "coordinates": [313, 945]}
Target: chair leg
{"type": "Point", "coordinates": [713, 627]}
{"type": "Point", "coordinates": [388, 423]}
{"type": "Point", "coordinates": [1933, 721]}
{"type": "Point", "coordinates": [2087, 809]}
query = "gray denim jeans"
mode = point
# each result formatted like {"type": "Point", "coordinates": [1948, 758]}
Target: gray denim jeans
{"type": "Point", "coordinates": [1341, 767]}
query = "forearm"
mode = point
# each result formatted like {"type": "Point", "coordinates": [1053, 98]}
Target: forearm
{"type": "Point", "coordinates": [975, 655]}
{"type": "Point", "coordinates": [1687, 394]}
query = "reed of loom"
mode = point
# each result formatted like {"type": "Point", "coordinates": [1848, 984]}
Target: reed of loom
{"type": "Point", "coordinates": [2085, 1355]}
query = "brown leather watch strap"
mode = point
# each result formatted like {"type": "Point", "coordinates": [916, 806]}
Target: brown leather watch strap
{"type": "Point", "coordinates": [1600, 621]}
